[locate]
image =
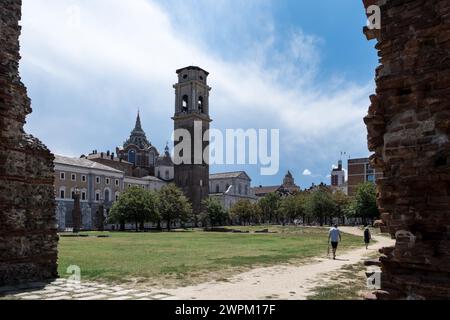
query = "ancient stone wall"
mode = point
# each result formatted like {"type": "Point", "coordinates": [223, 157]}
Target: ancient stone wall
{"type": "Point", "coordinates": [408, 129]}
{"type": "Point", "coordinates": [28, 239]}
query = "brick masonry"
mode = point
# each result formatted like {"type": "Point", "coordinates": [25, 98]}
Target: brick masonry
{"type": "Point", "coordinates": [28, 238]}
{"type": "Point", "coordinates": [408, 129]}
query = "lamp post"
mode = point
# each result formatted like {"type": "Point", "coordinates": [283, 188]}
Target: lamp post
{"type": "Point", "coordinates": [76, 212]}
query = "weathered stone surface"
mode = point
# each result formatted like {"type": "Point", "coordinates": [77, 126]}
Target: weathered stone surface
{"type": "Point", "coordinates": [408, 130]}
{"type": "Point", "coordinates": [28, 239]}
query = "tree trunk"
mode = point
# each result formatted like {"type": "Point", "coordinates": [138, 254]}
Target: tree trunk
{"type": "Point", "coordinates": [168, 225]}
{"type": "Point", "coordinates": [122, 225]}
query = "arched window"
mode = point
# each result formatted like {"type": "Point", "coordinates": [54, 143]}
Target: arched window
{"type": "Point", "coordinates": [217, 188]}
{"type": "Point", "coordinates": [246, 189]}
{"type": "Point", "coordinates": [132, 156]}
{"type": "Point", "coordinates": [200, 104]}
{"type": "Point", "coordinates": [106, 195]}
{"type": "Point", "coordinates": [185, 104]}
{"type": "Point", "coordinates": [117, 195]}
{"type": "Point", "coordinates": [167, 174]}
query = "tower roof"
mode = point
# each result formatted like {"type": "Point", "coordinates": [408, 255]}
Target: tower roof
{"type": "Point", "coordinates": [192, 68]}
{"type": "Point", "coordinates": [138, 137]}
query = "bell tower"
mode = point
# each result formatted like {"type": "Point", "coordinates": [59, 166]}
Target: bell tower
{"type": "Point", "coordinates": [192, 115]}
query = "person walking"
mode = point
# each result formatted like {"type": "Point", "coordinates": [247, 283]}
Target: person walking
{"type": "Point", "coordinates": [334, 237]}
{"type": "Point", "coordinates": [367, 236]}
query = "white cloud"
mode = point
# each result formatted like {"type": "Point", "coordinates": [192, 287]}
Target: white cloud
{"type": "Point", "coordinates": [307, 172]}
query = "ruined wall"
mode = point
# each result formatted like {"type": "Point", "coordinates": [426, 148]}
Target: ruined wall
{"type": "Point", "coordinates": [28, 239]}
{"type": "Point", "coordinates": [409, 128]}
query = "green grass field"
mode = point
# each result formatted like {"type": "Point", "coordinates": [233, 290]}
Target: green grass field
{"type": "Point", "coordinates": [183, 258]}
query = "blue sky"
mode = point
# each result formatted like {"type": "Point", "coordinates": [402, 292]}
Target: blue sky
{"type": "Point", "coordinates": [303, 67]}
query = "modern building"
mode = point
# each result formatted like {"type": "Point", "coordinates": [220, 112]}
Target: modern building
{"type": "Point", "coordinates": [360, 171]}
{"type": "Point", "coordinates": [230, 187]}
{"type": "Point", "coordinates": [287, 188]}
{"type": "Point", "coordinates": [338, 181]}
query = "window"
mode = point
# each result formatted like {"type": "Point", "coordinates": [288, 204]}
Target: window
{"type": "Point", "coordinates": [83, 195]}
{"type": "Point", "coordinates": [185, 104]}
{"type": "Point", "coordinates": [62, 176]}
{"type": "Point", "coordinates": [217, 189]}
{"type": "Point", "coordinates": [107, 181]}
{"type": "Point", "coordinates": [132, 156]}
{"type": "Point", "coordinates": [117, 196]}
{"type": "Point", "coordinates": [143, 187]}
{"type": "Point", "coordinates": [62, 194]}
{"type": "Point", "coordinates": [107, 195]}
{"type": "Point", "coordinates": [73, 177]}
{"type": "Point", "coordinates": [185, 76]}
{"type": "Point", "coordinates": [83, 178]}
{"type": "Point", "coordinates": [151, 158]}
{"type": "Point", "coordinates": [129, 185]}
{"type": "Point", "coordinates": [200, 104]}
{"type": "Point", "coordinates": [167, 174]}
{"type": "Point", "coordinates": [97, 179]}
{"type": "Point", "coordinates": [240, 188]}
{"type": "Point", "coordinates": [246, 190]}
{"type": "Point", "coordinates": [97, 196]}
{"type": "Point", "coordinates": [117, 182]}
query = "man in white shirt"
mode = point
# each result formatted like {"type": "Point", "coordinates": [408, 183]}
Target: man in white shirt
{"type": "Point", "coordinates": [334, 236]}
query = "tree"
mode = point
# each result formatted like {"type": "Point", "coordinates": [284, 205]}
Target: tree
{"type": "Point", "coordinates": [291, 208]}
{"type": "Point", "coordinates": [366, 202]}
{"type": "Point", "coordinates": [173, 205]}
{"type": "Point", "coordinates": [136, 206]}
{"type": "Point", "coordinates": [215, 214]}
{"type": "Point", "coordinates": [320, 204]}
{"type": "Point", "coordinates": [269, 205]}
{"type": "Point", "coordinates": [245, 211]}
{"type": "Point", "coordinates": [341, 201]}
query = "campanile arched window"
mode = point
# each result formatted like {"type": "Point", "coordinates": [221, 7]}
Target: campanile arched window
{"type": "Point", "coordinates": [200, 105]}
{"type": "Point", "coordinates": [185, 104]}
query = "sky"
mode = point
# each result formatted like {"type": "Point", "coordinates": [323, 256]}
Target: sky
{"type": "Point", "coordinates": [303, 67]}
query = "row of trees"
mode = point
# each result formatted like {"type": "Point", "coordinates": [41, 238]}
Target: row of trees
{"type": "Point", "coordinates": [139, 206]}
{"type": "Point", "coordinates": [169, 206]}
{"type": "Point", "coordinates": [319, 206]}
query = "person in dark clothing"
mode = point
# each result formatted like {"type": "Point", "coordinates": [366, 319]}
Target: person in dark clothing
{"type": "Point", "coordinates": [367, 236]}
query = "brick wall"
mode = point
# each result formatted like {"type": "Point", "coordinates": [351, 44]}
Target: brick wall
{"type": "Point", "coordinates": [409, 127]}
{"type": "Point", "coordinates": [28, 239]}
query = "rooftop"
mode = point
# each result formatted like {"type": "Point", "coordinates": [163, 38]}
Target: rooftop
{"type": "Point", "coordinates": [192, 68]}
{"type": "Point", "coordinates": [84, 163]}
{"type": "Point", "coordinates": [227, 175]}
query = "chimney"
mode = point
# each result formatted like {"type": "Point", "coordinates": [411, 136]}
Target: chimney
{"type": "Point", "coordinates": [107, 153]}
{"type": "Point", "coordinates": [101, 155]}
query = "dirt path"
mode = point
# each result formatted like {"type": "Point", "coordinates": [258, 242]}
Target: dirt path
{"type": "Point", "coordinates": [278, 282]}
